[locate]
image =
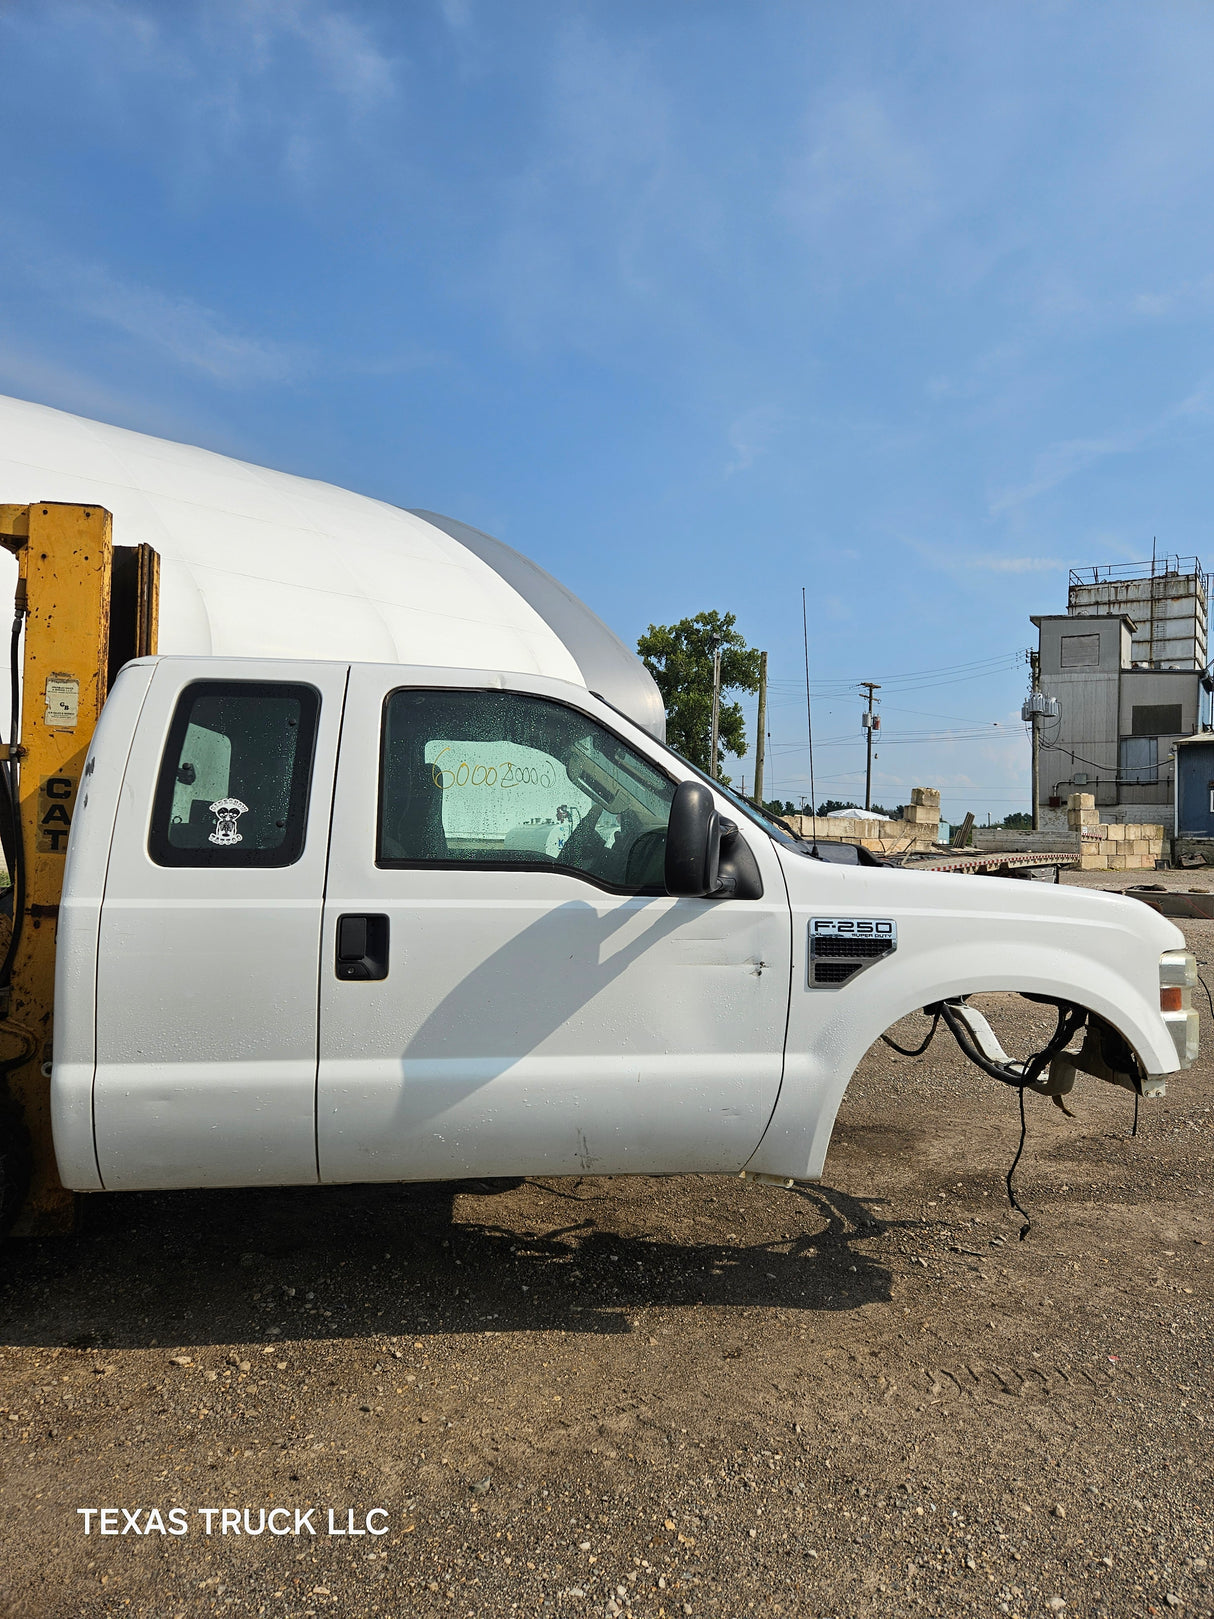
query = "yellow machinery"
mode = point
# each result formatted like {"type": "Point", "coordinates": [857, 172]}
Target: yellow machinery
{"type": "Point", "coordinates": [86, 607]}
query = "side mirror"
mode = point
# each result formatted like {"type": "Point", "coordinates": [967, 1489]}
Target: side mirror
{"type": "Point", "coordinates": [706, 855]}
{"type": "Point", "coordinates": [693, 842]}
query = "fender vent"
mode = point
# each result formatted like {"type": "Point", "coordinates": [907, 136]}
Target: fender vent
{"type": "Point", "coordinates": [840, 947]}
{"type": "Point", "coordinates": [855, 949]}
{"type": "Point", "coordinates": [834, 972]}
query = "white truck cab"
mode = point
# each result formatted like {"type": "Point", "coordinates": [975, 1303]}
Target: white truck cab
{"type": "Point", "coordinates": [351, 922]}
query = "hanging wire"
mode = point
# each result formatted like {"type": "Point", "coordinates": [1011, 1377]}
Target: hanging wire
{"type": "Point", "coordinates": [1206, 987]}
{"type": "Point", "coordinates": [1011, 1192]}
{"type": "Point", "coordinates": [903, 1051]}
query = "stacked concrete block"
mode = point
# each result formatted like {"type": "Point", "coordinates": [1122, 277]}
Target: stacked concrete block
{"type": "Point", "coordinates": [1081, 812]}
{"type": "Point", "coordinates": [918, 829]}
{"type": "Point", "coordinates": [920, 818]}
{"type": "Point", "coordinates": [880, 836]}
{"type": "Point", "coordinates": [1129, 847]}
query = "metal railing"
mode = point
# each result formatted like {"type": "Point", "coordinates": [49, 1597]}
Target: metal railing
{"type": "Point", "coordinates": [1121, 572]}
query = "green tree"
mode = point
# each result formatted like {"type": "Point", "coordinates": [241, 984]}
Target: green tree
{"type": "Point", "coordinates": [1020, 821]}
{"type": "Point", "coordinates": [679, 657]}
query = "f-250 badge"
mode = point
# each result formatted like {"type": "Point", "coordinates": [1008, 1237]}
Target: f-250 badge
{"type": "Point", "coordinates": [852, 927]}
{"type": "Point", "coordinates": [227, 811]}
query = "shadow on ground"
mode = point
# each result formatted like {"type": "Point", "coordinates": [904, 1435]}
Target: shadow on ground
{"type": "Point", "coordinates": [155, 1269]}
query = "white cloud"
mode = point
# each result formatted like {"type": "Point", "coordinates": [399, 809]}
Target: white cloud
{"type": "Point", "coordinates": [1186, 298]}
{"type": "Point", "coordinates": [958, 560]}
{"type": "Point", "coordinates": [1060, 461]}
{"type": "Point", "coordinates": [861, 186]}
{"type": "Point", "coordinates": [184, 331]}
{"type": "Point", "coordinates": [300, 75]}
{"type": "Point", "coordinates": [36, 376]}
{"type": "Point", "coordinates": [750, 436]}
{"type": "Point", "coordinates": [457, 14]}
{"type": "Point", "coordinates": [607, 223]}
{"type": "Point", "coordinates": [1000, 564]}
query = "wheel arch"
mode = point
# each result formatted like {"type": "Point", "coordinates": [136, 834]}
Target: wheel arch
{"type": "Point", "coordinates": [818, 1071]}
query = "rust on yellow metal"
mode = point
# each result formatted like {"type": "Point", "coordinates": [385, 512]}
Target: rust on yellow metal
{"type": "Point", "coordinates": [65, 568]}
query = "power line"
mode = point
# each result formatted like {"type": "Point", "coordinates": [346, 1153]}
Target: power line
{"type": "Point", "coordinates": [995, 731]}
{"type": "Point", "coordinates": [947, 672]}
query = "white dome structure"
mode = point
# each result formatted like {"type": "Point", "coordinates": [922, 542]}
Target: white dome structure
{"type": "Point", "coordinates": [265, 564]}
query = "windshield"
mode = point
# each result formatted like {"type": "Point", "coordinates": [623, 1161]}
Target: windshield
{"type": "Point", "coordinates": [763, 818]}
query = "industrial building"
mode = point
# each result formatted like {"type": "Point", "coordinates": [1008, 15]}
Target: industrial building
{"type": "Point", "coordinates": [1126, 665]}
{"type": "Point", "coordinates": [1193, 831]}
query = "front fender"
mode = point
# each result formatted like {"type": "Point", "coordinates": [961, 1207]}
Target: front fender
{"type": "Point", "coordinates": [1099, 951]}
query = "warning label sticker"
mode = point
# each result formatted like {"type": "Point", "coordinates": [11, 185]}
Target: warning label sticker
{"type": "Point", "coordinates": [62, 702]}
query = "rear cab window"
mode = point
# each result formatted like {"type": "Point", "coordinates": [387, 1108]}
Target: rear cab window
{"type": "Point", "coordinates": [235, 776]}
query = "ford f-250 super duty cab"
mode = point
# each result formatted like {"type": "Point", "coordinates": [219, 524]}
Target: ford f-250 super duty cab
{"type": "Point", "coordinates": [339, 922]}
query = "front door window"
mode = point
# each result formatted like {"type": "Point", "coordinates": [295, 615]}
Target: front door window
{"type": "Point", "coordinates": [500, 779]}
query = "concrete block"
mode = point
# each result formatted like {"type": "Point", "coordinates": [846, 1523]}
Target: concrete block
{"type": "Point", "coordinates": [1093, 862]}
{"type": "Point", "coordinates": [926, 795]}
{"type": "Point", "coordinates": [1117, 862]}
{"type": "Point", "coordinates": [922, 814]}
{"type": "Point", "coordinates": [1115, 833]}
{"type": "Point", "coordinates": [1081, 801]}
{"type": "Point", "coordinates": [1082, 817]}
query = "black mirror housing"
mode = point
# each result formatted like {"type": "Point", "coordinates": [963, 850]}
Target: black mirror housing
{"type": "Point", "coordinates": [693, 842]}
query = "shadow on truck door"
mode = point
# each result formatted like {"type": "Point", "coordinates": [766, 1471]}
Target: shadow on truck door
{"type": "Point", "coordinates": [298, 1266]}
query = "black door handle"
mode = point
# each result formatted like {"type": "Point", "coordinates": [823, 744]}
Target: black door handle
{"type": "Point", "coordinates": [362, 947]}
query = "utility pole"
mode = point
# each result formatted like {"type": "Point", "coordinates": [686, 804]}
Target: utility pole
{"type": "Point", "coordinates": [761, 724]}
{"type": "Point", "coordinates": [871, 722]}
{"type": "Point", "coordinates": [1035, 668]}
{"type": "Point", "coordinates": [716, 711]}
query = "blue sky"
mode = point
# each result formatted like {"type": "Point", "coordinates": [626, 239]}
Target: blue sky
{"type": "Point", "coordinates": [695, 303]}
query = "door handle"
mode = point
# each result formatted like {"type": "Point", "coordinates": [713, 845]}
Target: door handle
{"type": "Point", "coordinates": [362, 948]}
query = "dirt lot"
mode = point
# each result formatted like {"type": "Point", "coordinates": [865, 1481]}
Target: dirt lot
{"type": "Point", "coordinates": [651, 1397]}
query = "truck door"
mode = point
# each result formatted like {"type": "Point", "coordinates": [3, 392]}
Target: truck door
{"type": "Point", "coordinates": [505, 986]}
{"type": "Point", "coordinates": [210, 929]}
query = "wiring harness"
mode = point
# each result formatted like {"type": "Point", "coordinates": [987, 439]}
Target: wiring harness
{"type": "Point", "coordinates": [1022, 1076]}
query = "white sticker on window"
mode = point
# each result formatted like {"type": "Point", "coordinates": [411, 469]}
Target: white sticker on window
{"type": "Point", "coordinates": [227, 811]}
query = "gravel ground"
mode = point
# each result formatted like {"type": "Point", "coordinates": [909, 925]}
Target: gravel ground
{"type": "Point", "coordinates": [652, 1397]}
